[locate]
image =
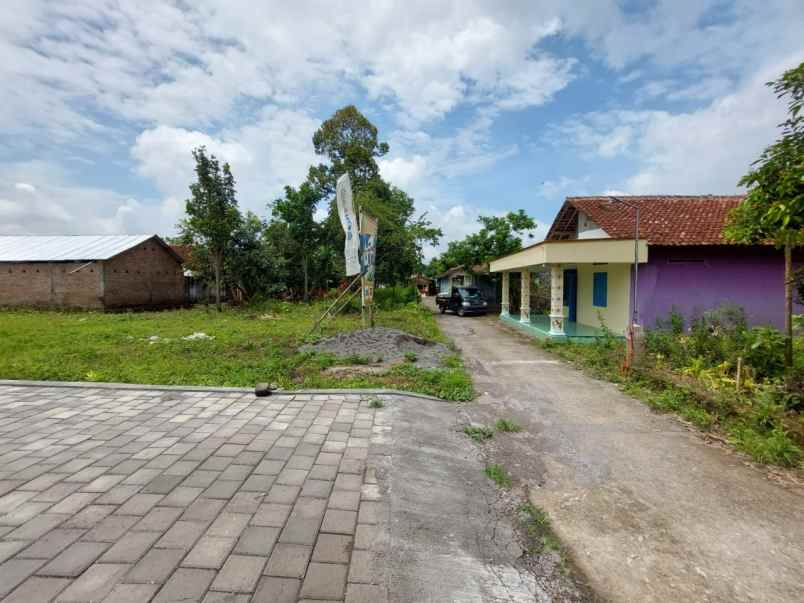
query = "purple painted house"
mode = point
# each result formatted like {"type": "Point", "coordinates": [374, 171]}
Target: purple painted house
{"type": "Point", "coordinates": [685, 263]}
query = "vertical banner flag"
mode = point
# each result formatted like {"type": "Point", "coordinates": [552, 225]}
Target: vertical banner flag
{"type": "Point", "coordinates": [368, 251]}
{"type": "Point", "coordinates": [346, 212]}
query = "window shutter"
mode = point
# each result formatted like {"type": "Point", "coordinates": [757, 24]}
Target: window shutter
{"type": "Point", "coordinates": [600, 289]}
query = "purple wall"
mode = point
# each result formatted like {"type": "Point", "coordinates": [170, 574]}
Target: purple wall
{"type": "Point", "coordinates": [694, 279]}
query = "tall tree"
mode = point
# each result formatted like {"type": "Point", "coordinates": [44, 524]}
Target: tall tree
{"type": "Point", "coordinates": [773, 209]}
{"type": "Point", "coordinates": [297, 211]}
{"type": "Point", "coordinates": [350, 143]}
{"type": "Point", "coordinates": [212, 213]}
{"type": "Point", "coordinates": [498, 236]}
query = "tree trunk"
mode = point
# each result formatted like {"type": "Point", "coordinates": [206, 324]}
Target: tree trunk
{"type": "Point", "coordinates": [217, 264]}
{"type": "Point", "coordinates": [306, 288]}
{"type": "Point", "coordinates": [788, 306]}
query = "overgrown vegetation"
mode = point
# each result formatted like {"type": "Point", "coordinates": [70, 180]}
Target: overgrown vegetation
{"type": "Point", "coordinates": [691, 368]}
{"type": "Point", "coordinates": [239, 347]}
{"type": "Point", "coordinates": [499, 476]}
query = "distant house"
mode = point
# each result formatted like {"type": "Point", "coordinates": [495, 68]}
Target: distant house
{"type": "Point", "coordinates": [479, 277]}
{"type": "Point", "coordinates": [80, 271]}
{"type": "Point", "coordinates": [685, 264]}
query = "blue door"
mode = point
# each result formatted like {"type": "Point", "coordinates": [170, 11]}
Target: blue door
{"type": "Point", "coordinates": [571, 293]}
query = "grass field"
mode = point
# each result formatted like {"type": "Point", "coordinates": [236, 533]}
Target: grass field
{"type": "Point", "coordinates": [248, 345]}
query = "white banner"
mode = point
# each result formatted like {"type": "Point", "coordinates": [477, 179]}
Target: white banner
{"type": "Point", "coordinates": [346, 212]}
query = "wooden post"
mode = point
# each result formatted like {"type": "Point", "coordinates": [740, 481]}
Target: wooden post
{"type": "Point", "coordinates": [739, 373]}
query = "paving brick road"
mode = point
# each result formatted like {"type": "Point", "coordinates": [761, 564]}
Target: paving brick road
{"type": "Point", "coordinates": [141, 495]}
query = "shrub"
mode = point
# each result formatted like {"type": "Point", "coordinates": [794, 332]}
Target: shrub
{"type": "Point", "coordinates": [391, 298]}
{"type": "Point", "coordinates": [764, 352]}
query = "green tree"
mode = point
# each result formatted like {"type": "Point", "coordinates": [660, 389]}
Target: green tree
{"type": "Point", "coordinates": [212, 213]}
{"type": "Point", "coordinates": [773, 209]}
{"type": "Point", "coordinates": [498, 236]}
{"type": "Point", "coordinates": [297, 211]}
{"type": "Point", "coordinates": [350, 143]}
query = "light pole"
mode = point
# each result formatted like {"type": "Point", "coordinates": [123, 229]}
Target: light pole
{"type": "Point", "coordinates": [635, 207]}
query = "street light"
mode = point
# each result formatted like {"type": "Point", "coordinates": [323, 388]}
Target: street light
{"type": "Point", "coordinates": [635, 207]}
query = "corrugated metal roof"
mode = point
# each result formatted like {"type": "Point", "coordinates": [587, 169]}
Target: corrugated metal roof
{"type": "Point", "coordinates": [66, 248]}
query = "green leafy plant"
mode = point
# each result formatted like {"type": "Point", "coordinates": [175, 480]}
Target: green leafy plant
{"type": "Point", "coordinates": [376, 403]}
{"type": "Point", "coordinates": [499, 476]}
{"type": "Point", "coordinates": [411, 357]}
{"type": "Point", "coordinates": [507, 425]}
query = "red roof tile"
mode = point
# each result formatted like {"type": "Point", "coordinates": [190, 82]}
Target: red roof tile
{"type": "Point", "coordinates": [663, 219]}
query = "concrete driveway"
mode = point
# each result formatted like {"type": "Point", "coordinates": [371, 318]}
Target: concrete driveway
{"type": "Point", "coordinates": [137, 494]}
{"type": "Point", "coordinates": [650, 511]}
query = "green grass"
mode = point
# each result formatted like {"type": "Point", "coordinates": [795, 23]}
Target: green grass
{"type": "Point", "coordinates": [538, 528]}
{"type": "Point", "coordinates": [507, 425]}
{"type": "Point", "coordinates": [499, 476]}
{"type": "Point", "coordinates": [411, 357]}
{"type": "Point", "coordinates": [251, 344]}
{"type": "Point", "coordinates": [376, 403]}
{"type": "Point", "coordinates": [479, 433]}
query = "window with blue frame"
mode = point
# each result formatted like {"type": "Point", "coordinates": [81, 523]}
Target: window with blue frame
{"type": "Point", "coordinates": [600, 289]}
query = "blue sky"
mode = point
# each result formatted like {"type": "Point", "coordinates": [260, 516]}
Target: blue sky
{"type": "Point", "coordinates": [488, 106]}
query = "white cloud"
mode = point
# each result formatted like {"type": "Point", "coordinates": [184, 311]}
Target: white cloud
{"type": "Point", "coordinates": [702, 151]}
{"type": "Point", "coordinates": [56, 206]}
{"type": "Point", "coordinates": [265, 155]}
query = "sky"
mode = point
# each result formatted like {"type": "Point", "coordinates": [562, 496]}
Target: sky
{"type": "Point", "coordinates": [487, 106]}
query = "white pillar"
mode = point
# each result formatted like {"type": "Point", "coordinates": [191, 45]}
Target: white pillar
{"type": "Point", "coordinates": [505, 304]}
{"type": "Point", "coordinates": [556, 300]}
{"type": "Point", "coordinates": [524, 310]}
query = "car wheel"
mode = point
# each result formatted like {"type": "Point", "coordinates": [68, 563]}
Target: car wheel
{"type": "Point", "coordinates": [461, 312]}
{"type": "Point", "coordinates": [443, 309]}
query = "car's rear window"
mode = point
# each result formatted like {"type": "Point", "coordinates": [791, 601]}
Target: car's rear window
{"type": "Point", "coordinates": [469, 292]}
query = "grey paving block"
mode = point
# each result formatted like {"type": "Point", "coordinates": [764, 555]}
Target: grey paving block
{"type": "Point", "coordinates": [36, 527]}
{"type": "Point", "coordinates": [155, 567]}
{"type": "Point", "coordinates": [256, 540]}
{"type": "Point", "coordinates": [182, 535]}
{"type": "Point", "coordinates": [203, 509]}
{"type": "Point", "coordinates": [9, 548]}
{"type": "Point", "coordinates": [282, 494]}
{"type": "Point", "coordinates": [339, 522]}
{"type": "Point", "coordinates": [271, 515]}
{"type": "Point", "coordinates": [324, 581]}
{"type": "Point", "coordinates": [131, 547]}
{"type": "Point", "coordinates": [258, 483]}
{"type": "Point", "coordinates": [181, 496]}
{"type": "Point", "coordinates": [14, 571]}
{"type": "Point", "coordinates": [326, 472]}
{"type": "Point", "coordinates": [229, 525]}
{"type": "Point", "coordinates": [89, 516]}
{"type": "Point", "coordinates": [239, 574]}
{"type": "Point", "coordinates": [95, 583]}
{"type": "Point", "coordinates": [139, 504]}
{"type": "Point", "coordinates": [52, 543]}
{"type": "Point", "coordinates": [73, 560]}
{"type": "Point", "coordinates": [348, 481]}
{"type": "Point", "coordinates": [288, 560]}
{"type": "Point", "coordinates": [132, 593]}
{"type": "Point", "coordinates": [333, 548]}
{"type": "Point", "coordinates": [366, 593]}
{"type": "Point", "coordinates": [276, 590]}
{"type": "Point", "coordinates": [185, 585]}
{"type": "Point", "coordinates": [209, 552]}
{"type": "Point", "coordinates": [345, 500]}
{"type": "Point", "coordinates": [111, 528]}
{"type": "Point", "coordinates": [37, 590]}
{"type": "Point", "coordinates": [162, 484]}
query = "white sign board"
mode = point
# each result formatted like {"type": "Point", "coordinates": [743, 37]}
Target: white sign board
{"type": "Point", "coordinates": [346, 213]}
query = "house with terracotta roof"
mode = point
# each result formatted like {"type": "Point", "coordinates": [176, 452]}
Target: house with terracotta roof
{"type": "Point", "coordinates": [617, 260]}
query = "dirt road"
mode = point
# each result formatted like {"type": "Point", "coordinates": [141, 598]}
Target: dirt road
{"type": "Point", "coordinates": [649, 510]}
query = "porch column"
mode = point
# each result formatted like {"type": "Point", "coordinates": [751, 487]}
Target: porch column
{"type": "Point", "coordinates": [506, 297]}
{"type": "Point", "coordinates": [524, 310]}
{"type": "Point", "coordinates": [556, 300]}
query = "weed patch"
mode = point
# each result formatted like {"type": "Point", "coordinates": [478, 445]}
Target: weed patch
{"type": "Point", "coordinates": [376, 403]}
{"type": "Point", "coordinates": [479, 433]}
{"type": "Point", "coordinates": [507, 425]}
{"type": "Point", "coordinates": [499, 476]}
{"type": "Point", "coordinates": [537, 526]}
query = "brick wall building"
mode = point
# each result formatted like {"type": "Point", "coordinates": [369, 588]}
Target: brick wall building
{"type": "Point", "coordinates": [102, 272]}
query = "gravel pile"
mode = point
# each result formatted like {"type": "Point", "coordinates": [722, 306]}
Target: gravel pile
{"type": "Point", "coordinates": [391, 345]}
